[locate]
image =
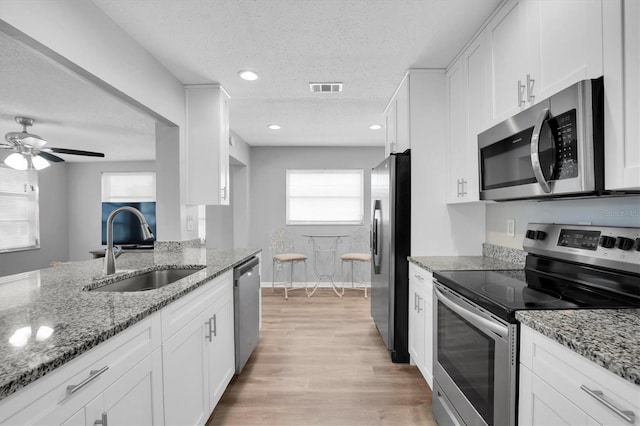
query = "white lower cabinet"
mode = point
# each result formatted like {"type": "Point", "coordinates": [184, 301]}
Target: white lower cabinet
{"type": "Point", "coordinates": [170, 368]}
{"type": "Point", "coordinates": [558, 387]}
{"type": "Point", "coordinates": [199, 358]}
{"type": "Point", "coordinates": [421, 321]}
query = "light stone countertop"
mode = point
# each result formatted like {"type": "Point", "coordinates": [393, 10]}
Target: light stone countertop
{"type": "Point", "coordinates": [80, 319]}
{"type": "Point", "coordinates": [462, 263]}
{"type": "Point", "coordinates": [608, 337]}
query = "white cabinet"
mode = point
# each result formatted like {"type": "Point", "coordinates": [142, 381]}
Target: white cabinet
{"type": "Point", "coordinates": [123, 372]}
{"type": "Point", "coordinates": [558, 386]}
{"type": "Point", "coordinates": [198, 357]}
{"type": "Point", "coordinates": [404, 110]}
{"type": "Point", "coordinates": [207, 147]}
{"type": "Point", "coordinates": [622, 91]}
{"type": "Point", "coordinates": [539, 47]}
{"type": "Point", "coordinates": [421, 321]}
{"type": "Point", "coordinates": [467, 115]}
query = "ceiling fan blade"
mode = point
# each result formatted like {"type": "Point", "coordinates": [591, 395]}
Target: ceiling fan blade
{"type": "Point", "coordinates": [50, 157]}
{"type": "Point", "coordinates": [76, 152]}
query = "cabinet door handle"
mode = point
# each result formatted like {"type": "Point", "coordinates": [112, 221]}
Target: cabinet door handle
{"type": "Point", "coordinates": [419, 277]}
{"type": "Point", "coordinates": [628, 416]}
{"type": "Point", "coordinates": [223, 192]}
{"type": "Point", "coordinates": [458, 187]}
{"type": "Point", "coordinates": [93, 374]}
{"type": "Point", "coordinates": [419, 308]}
{"type": "Point", "coordinates": [521, 89]}
{"type": "Point", "coordinates": [463, 183]}
{"type": "Point", "coordinates": [530, 83]}
{"type": "Point", "coordinates": [208, 323]}
{"type": "Point", "coordinates": [215, 326]}
{"type": "Point", "coordinates": [103, 421]}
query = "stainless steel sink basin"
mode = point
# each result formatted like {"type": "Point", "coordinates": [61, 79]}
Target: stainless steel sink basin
{"type": "Point", "coordinates": [148, 281]}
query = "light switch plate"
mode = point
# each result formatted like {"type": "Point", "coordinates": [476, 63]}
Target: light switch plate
{"type": "Point", "coordinates": [511, 227]}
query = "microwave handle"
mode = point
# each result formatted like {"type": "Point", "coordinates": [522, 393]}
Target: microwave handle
{"type": "Point", "coordinates": [535, 151]}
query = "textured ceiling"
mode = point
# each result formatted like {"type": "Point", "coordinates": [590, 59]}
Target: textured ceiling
{"type": "Point", "coordinates": [366, 44]}
{"type": "Point", "coordinates": [69, 112]}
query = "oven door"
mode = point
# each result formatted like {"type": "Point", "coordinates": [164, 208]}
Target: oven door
{"type": "Point", "coordinates": [475, 363]}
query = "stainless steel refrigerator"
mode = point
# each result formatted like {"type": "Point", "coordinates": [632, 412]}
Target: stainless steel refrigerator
{"type": "Point", "coordinates": [390, 245]}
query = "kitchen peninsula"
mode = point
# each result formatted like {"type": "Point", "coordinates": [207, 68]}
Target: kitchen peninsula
{"type": "Point", "coordinates": [50, 317]}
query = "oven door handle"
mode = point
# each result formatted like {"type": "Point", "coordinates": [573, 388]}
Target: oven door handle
{"type": "Point", "coordinates": [535, 151]}
{"type": "Point", "coordinates": [474, 319]}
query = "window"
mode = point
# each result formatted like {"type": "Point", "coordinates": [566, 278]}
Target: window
{"type": "Point", "coordinates": [128, 186]}
{"type": "Point", "coordinates": [325, 197]}
{"type": "Point", "coordinates": [19, 219]}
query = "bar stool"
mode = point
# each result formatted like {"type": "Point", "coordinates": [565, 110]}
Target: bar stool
{"type": "Point", "coordinates": [360, 253]}
{"type": "Point", "coordinates": [282, 249]}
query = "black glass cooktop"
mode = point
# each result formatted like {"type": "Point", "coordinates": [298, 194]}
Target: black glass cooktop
{"type": "Point", "coordinates": [505, 292]}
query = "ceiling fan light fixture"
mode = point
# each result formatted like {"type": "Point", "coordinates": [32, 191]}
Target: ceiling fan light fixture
{"type": "Point", "coordinates": [248, 75]}
{"type": "Point", "coordinates": [16, 161]}
{"type": "Point", "coordinates": [39, 163]}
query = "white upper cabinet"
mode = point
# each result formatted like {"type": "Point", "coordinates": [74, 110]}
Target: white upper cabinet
{"type": "Point", "coordinates": [507, 34]}
{"type": "Point", "coordinates": [403, 111]}
{"type": "Point", "coordinates": [207, 148]}
{"type": "Point", "coordinates": [467, 115]}
{"type": "Point", "coordinates": [539, 47]}
{"type": "Point", "coordinates": [565, 43]}
{"type": "Point", "coordinates": [621, 31]}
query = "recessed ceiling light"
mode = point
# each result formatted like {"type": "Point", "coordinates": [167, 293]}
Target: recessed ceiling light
{"type": "Point", "coordinates": [375, 127]}
{"type": "Point", "coordinates": [274, 127]}
{"type": "Point", "coordinates": [248, 75]}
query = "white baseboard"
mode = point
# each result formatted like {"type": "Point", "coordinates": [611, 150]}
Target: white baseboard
{"type": "Point", "coordinates": [321, 284]}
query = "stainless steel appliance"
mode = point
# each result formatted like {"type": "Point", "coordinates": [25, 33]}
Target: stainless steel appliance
{"type": "Point", "coordinates": [390, 245]}
{"type": "Point", "coordinates": [554, 148]}
{"type": "Point", "coordinates": [246, 303]}
{"type": "Point", "coordinates": [476, 333]}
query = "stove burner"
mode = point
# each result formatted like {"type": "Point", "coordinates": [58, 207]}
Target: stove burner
{"type": "Point", "coordinates": [524, 294]}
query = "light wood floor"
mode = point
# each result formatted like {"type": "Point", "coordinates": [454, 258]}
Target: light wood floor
{"type": "Point", "coordinates": [321, 361]}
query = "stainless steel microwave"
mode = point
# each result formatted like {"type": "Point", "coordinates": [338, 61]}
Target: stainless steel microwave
{"type": "Point", "coordinates": [552, 149]}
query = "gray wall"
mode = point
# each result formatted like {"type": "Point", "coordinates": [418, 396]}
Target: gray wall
{"type": "Point", "coordinates": [614, 211]}
{"type": "Point", "coordinates": [268, 191]}
{"type": "Point", "coordinates": [85, 206]}
{"type": "Point", "coordinates": [54, 231]}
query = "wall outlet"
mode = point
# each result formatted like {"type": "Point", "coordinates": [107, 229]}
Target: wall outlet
{"type": "Point", "coordinates": [190, 223]}
{"type": "Point", "coordinates": [511, 227]}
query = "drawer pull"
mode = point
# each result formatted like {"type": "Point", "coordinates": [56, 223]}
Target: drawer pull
{"type": "Point", "coordinates": [93, 374]}
{"type": "Point", "coordinates": [103, 421]}
{"type": "Point", "coordinates": [419, 277]}
{"type": "Point", "coordinates": [628, 416]}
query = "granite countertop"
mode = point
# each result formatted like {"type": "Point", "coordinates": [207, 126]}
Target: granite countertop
{"type": "Point", "coordinates": [608, 337]}
{"type": "Point", "coordinates": [54, 299]}
{"type": "Point", "coordinates": [462, 263]}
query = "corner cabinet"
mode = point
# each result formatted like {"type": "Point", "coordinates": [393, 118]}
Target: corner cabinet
{"type": "Point", "coordinates": [207, 147]}
{"type": "Point", "coordinates": [421, 321]}
{"type": "Point", "coordinates": [402, 113]}
{"type": "Point", "coordinates": [622, 91]}
{"type": "Point", "coordinates": [560, 387]}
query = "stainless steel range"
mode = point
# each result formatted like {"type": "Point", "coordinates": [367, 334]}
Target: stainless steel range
{"type": "Point", "coordinates": [476, 342]}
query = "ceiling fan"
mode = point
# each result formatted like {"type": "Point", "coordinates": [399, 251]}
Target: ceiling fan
{"type": "Point", "coordinates": [29, 150]}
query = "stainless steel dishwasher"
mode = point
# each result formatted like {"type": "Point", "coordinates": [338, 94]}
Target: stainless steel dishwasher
{"type": "Point", "coordinates": [246, 300]}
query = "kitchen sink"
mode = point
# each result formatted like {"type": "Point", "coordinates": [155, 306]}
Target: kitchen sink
{"type": "Point", "coordinates": [151, 280]}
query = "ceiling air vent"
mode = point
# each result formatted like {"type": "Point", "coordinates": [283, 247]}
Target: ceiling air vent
{"type": "Point", "coordinates": [325, 87]}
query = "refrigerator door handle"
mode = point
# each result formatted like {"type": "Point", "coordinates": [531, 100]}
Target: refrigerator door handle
{"type": "Point", "coordinates": [377, 218]}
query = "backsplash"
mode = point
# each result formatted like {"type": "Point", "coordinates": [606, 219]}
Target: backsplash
{"type": "Point", "coordinates": [507, 254]}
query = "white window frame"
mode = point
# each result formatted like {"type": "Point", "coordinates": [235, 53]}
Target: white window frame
{"type": "Point", "coordinates": [107, 190]}
{"type": "Point", "coordinates": [293, 172]}
{"type": "Point", "coordinates": [33, 210]}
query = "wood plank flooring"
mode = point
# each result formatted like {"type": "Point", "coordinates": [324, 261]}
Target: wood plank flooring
{"type": "Point", "coordinates": [321, 361]}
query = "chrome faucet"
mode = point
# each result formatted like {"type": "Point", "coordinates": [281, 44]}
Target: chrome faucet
{"type": "Point", "coordinates": [109, 256]}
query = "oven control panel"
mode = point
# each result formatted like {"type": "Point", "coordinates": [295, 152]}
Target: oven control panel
{"type": "Point", "coordinates": [613, 247]}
